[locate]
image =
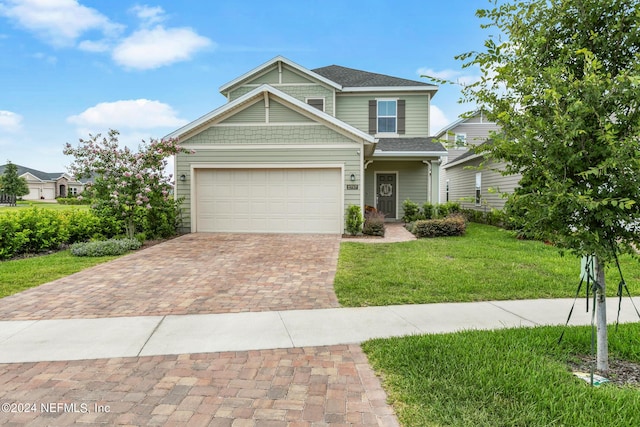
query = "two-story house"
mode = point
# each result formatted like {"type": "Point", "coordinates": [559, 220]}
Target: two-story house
{"type": "Point", "coordinates": [293, 148]}
{"type": "Point", "coordinates": [468, 177]}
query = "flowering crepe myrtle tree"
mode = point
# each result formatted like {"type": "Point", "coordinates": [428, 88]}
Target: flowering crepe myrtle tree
{"type": "Point", "coordinates": [562, 78]}
{"type": "Point", "coordinates": [126, 182]}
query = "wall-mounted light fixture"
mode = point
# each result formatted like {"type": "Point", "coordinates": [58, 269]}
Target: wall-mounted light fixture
{"type": "Point", "coordinates": [183, 177]}
{"type": "Point", "coordinates": [353, 177]}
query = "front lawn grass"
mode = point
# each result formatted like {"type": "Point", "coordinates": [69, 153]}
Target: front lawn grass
{"type": "Point", "coordinates": [42, 205]}
{"type": "Point", "coordinates": [513, 377]}
{"type": "Point", "coordinates": [20, 274]}
{"type": "Point", "coordinates": [486, 264]}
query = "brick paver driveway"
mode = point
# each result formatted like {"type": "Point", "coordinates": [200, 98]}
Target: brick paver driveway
{"type": "Point", "coordinates": [197, 274]}
{"type": "Point", "coordinates": [193, 274]}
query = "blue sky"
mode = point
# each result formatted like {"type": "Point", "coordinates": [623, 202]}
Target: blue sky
{"type": "Point", "coordinates": [73, 67]}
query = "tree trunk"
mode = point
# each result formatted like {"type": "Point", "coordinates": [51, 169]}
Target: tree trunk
{"type": "Point", "coordinates": [602, 360]}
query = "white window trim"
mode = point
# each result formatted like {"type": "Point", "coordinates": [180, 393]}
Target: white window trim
{"type": "Point", "coordinates": [324, 101]}
{"type": "Point", "coordinates": [478, 189]}
{"type": "Point", "coordinates": [383, 134]}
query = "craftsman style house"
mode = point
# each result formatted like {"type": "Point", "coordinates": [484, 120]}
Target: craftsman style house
{"type": "Point", "coordinates": [293, 148]}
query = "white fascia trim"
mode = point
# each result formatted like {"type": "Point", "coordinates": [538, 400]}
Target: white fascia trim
{"type": "Point", "coordinates": [271, 62]}
{"type": "Point", "coordinates": [465, 160]}
{"type": "Point", "coordinates": [391, 89]}
{"type": "Point", "coordinates": [314, 146]}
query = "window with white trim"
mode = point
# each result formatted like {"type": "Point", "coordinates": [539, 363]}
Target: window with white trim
{"type": "Point", "coordinates": [387, 115]}
{"type": "Point", "coordinates": [316, 102]}
{"type": "Point", "coordinates": [461, 140]}
{"type": "Point", "coordinates": [447, 191]}
{"type": "Point", "coordinates": [478, 187]}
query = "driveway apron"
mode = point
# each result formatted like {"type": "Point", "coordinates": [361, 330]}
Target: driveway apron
{"type": "Point", "coordinates": [200, 273]}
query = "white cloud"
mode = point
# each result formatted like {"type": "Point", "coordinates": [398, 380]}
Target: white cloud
{"type": "Point", "coordinates": [137, 114]}
{"type": "Point", "coordinates": [149, 15]}
{"type": "Point", "coordinates": [448, 74]}
{"type": "Point", "coordinates": [157, 47]}
{"type": "Point", "coordinates": [58, 22]}
{"type": "Point", "coordinates": [438, 120]}
{"type": "Point", "coordinates": [10, 121]}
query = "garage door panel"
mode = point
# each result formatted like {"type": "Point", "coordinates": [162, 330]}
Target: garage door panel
{"type": "Point", "coordinates": [306, 200]}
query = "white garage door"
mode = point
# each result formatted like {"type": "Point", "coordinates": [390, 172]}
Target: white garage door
{"type": "Point", "coordinates": [269, 200]}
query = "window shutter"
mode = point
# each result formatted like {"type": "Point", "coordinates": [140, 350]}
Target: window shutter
{"type": "Point", "coordinates": [401, 116]}
{"type": "Point", "coordinates": [373, 116]}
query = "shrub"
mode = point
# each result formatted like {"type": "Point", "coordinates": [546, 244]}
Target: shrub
{"type": "Point", "coordinates": [81, 225]}
{"type": "Point", "coordinates": [374, 224]}
{"type": "Point", "coordinates": [43, 227]}
{"type": "Point", "coordinates": [105, 247]}
{"type": "Point", "coordinates": [78, 200]}
{"type": "Point", "coordinates": [354, 220]}
{"type": "Point", "coordinates": [12, 239]}
{"type": "Point", "coordinates": [411, 211]}
{"type": "Point", "coordinates": [428, 211]}
{"type": "Point", "coordinates": [453, 225]}
{"type": "Point", "coordinates": [446, 209]}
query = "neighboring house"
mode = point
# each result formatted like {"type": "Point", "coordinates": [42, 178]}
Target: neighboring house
{"type": "Point", "coordinates": [467, 177]}
{"type": "Point", "coordinates": [293, 148]}
{"type": "Point", "coordinates": [48, 186]}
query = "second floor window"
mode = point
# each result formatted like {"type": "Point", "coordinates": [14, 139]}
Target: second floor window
{"type": "Point", "coordinates": [387, 116]}
{"type": "Point", "coordinates": [461, 140]}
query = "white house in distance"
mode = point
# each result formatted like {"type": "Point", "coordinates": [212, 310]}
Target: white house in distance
{"type": "Point", "coordinates": [462, 178]}
{"type": "Point", "coordinates": [48, 186]}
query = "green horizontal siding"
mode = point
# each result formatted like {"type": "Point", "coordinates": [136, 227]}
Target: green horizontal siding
{"type": "Point", "coordinates": [354, 109]}
{"type": "Point", "coordinates": [252, 114]}
{"type": "Point", "coordinates": [290, 76]}
{"type": "Point", "coordinates": [278, 113]}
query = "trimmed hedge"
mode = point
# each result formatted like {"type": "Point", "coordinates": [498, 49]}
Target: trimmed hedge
{"type": "Point", "coordinates": [453, 225]}
{"type": "Point", "coordinates": [105, 247]}
{"type": "Point", "coordinates": [35, 230]}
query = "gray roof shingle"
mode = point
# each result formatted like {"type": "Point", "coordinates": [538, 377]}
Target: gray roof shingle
{"type": "Point", "coordinates": [349, 77]}
{"type": "Point", "coordinates": [418, 144]}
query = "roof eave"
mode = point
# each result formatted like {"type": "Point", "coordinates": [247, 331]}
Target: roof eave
{"type": "Point", "coordinates": [390, 89]}
{"type": "Point", "coordinates": [462, 161]}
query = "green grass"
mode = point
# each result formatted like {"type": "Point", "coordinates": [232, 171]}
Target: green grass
{"type": "Point", "coordinates": [487, 263]}
{"type": "Point", "coordinates": [18, 275]}
{"type": "Point", "coordinates": [43, 205]}
{"type": "Point", "coordinates": [515, 377]}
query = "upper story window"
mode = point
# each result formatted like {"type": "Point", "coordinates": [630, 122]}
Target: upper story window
{"type": "Point", "coordinates": [387, 116]}
{"type": "Point", "coordinates": [461, 140]}
{"type": "Point", "coordinates": [316, 102]}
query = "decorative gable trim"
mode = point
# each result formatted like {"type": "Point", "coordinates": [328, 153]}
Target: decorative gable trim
{"type": "Point", "coordinates": [224, 89]}
{"type": "Point", "coordinates": [265, 91]}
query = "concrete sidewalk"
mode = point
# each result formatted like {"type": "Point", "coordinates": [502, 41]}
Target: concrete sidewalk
{"type": "Point", "coordinates": [78, 339]}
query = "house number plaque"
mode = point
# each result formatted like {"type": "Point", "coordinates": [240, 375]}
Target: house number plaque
{"type": "Point", "coordinates": [352, 186]}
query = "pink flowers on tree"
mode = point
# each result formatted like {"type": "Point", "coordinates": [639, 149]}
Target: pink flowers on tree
{"type": "Point", "coordinates": [126, 181]}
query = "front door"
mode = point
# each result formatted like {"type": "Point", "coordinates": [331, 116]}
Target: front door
{"type": "Point", "coordinates": [386, 194]}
